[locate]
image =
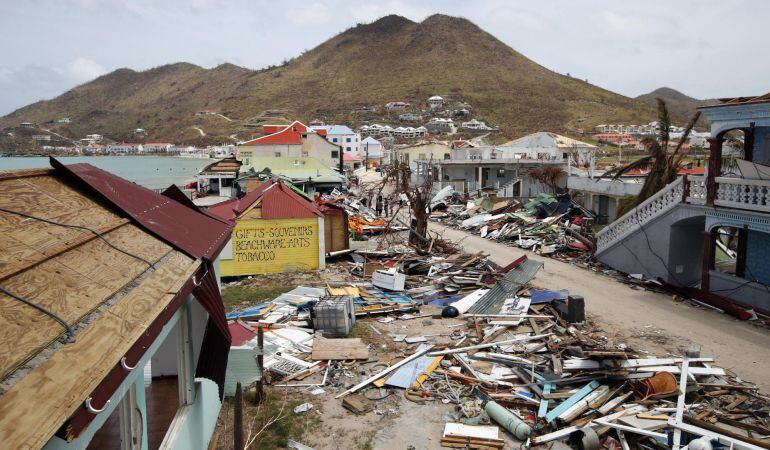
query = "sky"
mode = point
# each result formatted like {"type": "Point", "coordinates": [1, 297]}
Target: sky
{"type": "Point", "coordinates": [703, 48]}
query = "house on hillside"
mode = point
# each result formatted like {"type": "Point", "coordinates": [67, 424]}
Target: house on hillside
{"type": "Point", "coordinates": [291, 141]}
{"type": "Point", "coordinates": [435, 101]}
{"type": "Point", "coordinates": [707, 236]}
{"type": "Point", "coordinates": [113, 328]}
{"type": "Point", "coordinates": [276, 229]}
{"type": "Point", "coordinates": [308, 174]}
{"type": "Point", "coordinates": [394, 106]}
{"type": "Point", "coordinates": [437, 125]}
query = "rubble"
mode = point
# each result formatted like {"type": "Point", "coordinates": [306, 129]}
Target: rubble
{"type": "Point", "coordinates": [518, 365]}
{"type": "Point", "coordinates": [548, 225]}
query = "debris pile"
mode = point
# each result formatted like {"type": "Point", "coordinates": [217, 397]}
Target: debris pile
{"type": "Point", "coordinates": [548, 225]}
{"type": "Point", "coordinates": [507, 361]}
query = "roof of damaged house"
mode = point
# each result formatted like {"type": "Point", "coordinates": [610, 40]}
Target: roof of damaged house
{"type": "Point", "coordinates": [92, 267]}
{"type": "Point", "coordinates": [274, 199]}
{"type": "Point", "coordinates": [226, 165]}
{"type": "Point", "coordinates": [544, 139]}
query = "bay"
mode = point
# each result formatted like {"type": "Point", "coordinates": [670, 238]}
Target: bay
{"type": "Point", "coordinates": [154, 172]}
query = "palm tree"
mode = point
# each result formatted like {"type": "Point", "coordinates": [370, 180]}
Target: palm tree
{"type": "Point", "coordinates": [663, 166]}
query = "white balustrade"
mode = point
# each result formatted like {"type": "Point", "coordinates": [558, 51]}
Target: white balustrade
{"type": "Point", "coordinates": [697, 192]}
{"type": "Point", "coordinates": [662, 201]}
{"type": "Point", "coordinates": [743, 194]}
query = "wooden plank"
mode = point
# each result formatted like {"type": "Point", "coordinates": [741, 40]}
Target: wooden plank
{"type": "Point", "coordinates": [24, 173]}
{"type": "Point", "coordinates": [339, 349]}
{"type": "Point", "coordinates": [35, 407]}
{"type": "Point", "coordinates": [28, 261]}
{"type": "Point", "coordinates": [70, 285]}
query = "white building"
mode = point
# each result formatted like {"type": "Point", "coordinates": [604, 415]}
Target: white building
{"type": "Point", "coordinates": [396, 105]}
{"type": "Point", "coordinates": [95, 137]}
{"type": "Point", "coordinates": [409, 117]}
{"type": "Point", "coordinates": [438, 125]}
{"type": "Point", "coordinates": [41, 137]}
{"type": "Point", "coordinates": [343, 136]}
{"type": "Point", "coordinates": [475, 125]}
{"type": "Point", "coordinates": [372, 149]}
{"type": "Point", "coordinates": [157, 147]}
{"type": "Point", "coordinates": [543, 146]}
{"type": "Point", "coordinates": [125, 148]}
{"type": "Point", "coordinates": [436, 101]}
{"type": "Point", "coordinates": [63, 120]}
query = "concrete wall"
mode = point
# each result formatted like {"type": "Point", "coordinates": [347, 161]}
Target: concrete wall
{"type": "Point", "coordinates": [740, 290]}
{"type": "Point", "coordinates": [633, 255]}
{"type": "Point", "coordinates": [603, 186]}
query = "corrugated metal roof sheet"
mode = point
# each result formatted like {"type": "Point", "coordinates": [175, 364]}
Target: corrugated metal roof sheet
{"type": "Point", "coordinates": [189, 230]}
{"type": "Point", "coordinates": [279, 201]}
{"type": "Point", "coordinates": [507, 287]}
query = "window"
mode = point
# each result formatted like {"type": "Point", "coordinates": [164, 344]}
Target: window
{"type": "Point", "coordinates": [335, 154]}
{"type": "Point", "coordinates": [500, 173]}
{"type": "Point", "coordinates": [347, 140]}
{"type": "Point", "coordinates": [334, 139]}
{"type": "Point", "coordinates": [277, 154]}
{"type": "Point", "coordinates": [304, 135]}
{"type": "Point", "coordinates": [347, 149]}
{"type": "Point", "coordinates": [447, 156]}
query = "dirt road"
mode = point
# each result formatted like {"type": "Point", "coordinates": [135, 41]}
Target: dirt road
{"type": "Point", "coordinates": [646, 320]}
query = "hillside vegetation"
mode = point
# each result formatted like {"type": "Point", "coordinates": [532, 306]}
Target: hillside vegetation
{"type": "Point", "coordinates": [368, 65]}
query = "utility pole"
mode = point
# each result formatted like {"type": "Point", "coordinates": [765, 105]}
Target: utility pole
{"type": "Point", "coordinates": [366, 161]}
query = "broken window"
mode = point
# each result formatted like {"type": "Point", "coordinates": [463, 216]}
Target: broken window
{"type": "Point", "coordinates": [726, 250]}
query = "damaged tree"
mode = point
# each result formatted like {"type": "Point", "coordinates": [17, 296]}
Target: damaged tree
{"type": "Point", "coordinates": [663, 166]}
{"type": "Point", "coordinates": [418, 195]}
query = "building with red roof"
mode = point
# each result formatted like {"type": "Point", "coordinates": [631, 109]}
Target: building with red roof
{"type": "Point", "coordinates": [293, 140]}
{"type": "Point", "coordinates": [276, 229]}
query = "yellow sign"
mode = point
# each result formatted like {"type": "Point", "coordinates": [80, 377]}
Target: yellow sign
{"type": "Point", "coordinates": [273, 246]}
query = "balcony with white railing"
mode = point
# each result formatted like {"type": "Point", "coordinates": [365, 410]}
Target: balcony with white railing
{"type": "Point", "coordinates": [741, 193]}
{"type": "Point", "coordinates": [738, 193]}
{"type": "Point", "coordinates": [696, 191]}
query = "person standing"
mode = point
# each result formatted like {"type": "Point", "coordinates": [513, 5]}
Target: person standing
{"type": "Point", "coordinates": [379, 204]}
{"type": "Point", "coordinates": [386, 205]}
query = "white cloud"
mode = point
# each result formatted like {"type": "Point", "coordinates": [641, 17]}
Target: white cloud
{"type": "Point", "coordinates": [315, 13]}
{"type": "Point", "coordinates": [81, 69]}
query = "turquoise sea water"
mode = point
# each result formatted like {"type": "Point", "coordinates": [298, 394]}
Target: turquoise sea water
{"type": "Point", "coordinates": [150, 171]}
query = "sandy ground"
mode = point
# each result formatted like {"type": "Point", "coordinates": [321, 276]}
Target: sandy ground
{"type": "Point", "coordinates": [647, 320]}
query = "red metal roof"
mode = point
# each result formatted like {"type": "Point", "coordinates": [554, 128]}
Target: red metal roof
{"type": "Point", "coordinates": [278, 202]}
{"type": "Point", "coordinates": [189, 230]}
{"type": "Point", "coordinates": [240, 334]}
{"type": "Point", "coordinates": [289, 134]}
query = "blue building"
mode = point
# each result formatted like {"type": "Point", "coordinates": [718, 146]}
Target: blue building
{"type": "Point", "coordinates": [708, 236]}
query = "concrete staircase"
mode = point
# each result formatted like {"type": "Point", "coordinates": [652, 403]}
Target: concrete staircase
{"type": "Point", "coordinates": [662, 237]}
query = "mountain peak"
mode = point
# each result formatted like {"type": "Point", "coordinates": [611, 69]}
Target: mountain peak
{"type": "Point", "coordinates": [386, 24]}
